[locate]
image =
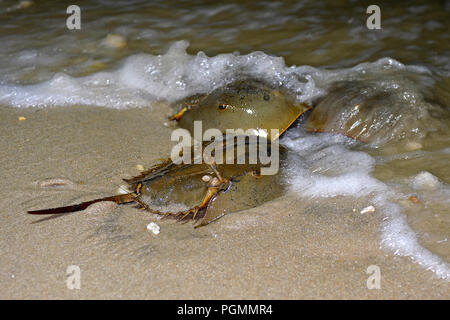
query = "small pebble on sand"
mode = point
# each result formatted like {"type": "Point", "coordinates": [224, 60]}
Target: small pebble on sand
{"type": "Point", "coordinates": [115, 41]}
{"type": "Point", "coordinates": [368, 209]}
{"type": "Point", "coordinates": [22, 118]}
{"type": "Point", "coordinates": [425, 180]}
{"type": "Point", "coordinates": [25, 4]}
{"type": "Point", "coordinates": [170, 124]}
{"type": "Point", "coordinates": [140, 167]}
{"type": "Point", "coordinates": [153, 227]}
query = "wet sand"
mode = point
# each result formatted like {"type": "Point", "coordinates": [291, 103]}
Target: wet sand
{"type": "Point", "coordinates": [291, 248]}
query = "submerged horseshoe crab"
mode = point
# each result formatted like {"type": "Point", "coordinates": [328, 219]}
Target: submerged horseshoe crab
{"type": "Point", "coordinates": [202, 192]}
{"type": "Point", "coordinates": [355, 109]}
{"type": "Point", "coordinates": [243, 104]}
{"type": "Point", "coordinates": [376, 113]}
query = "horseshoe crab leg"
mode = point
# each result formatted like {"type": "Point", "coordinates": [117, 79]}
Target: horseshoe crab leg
{"type": "Point", "coordinates": [177, 116]}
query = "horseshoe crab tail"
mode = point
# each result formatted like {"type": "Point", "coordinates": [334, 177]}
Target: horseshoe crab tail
{"type": "Point", "coordinates": [119, 199]}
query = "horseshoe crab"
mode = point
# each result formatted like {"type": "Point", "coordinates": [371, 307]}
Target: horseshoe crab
{"type": "Point", "coordinates": [243, 104]}
{"type": "Point", "coordinates": [202, 192]}
{"type": "Point", "coordinates": [373, 112]}
{"type": "Point", "coordinates": [353, 109]}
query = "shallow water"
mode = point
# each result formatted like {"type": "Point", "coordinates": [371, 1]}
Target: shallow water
{"type": "Point", "coordinates": [176, 49]}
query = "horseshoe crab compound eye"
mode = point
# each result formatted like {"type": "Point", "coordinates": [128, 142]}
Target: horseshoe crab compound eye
{"type": "Point", "coordinates": [222, 106]}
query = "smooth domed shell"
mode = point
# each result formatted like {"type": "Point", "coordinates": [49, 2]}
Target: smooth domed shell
{"type": "Point", "coordinates": [247, 105]}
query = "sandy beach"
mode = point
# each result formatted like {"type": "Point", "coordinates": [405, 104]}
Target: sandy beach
{"type": "Point", "coordinates": [291, 248]}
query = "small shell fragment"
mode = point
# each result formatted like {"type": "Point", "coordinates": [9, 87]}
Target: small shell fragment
{"type": "Point", "coordinates": [115, 41]}
{"type": "Point", "coordinates": [25, 4]}
{"type": "Point", "coordinates": [425, 180]}
{"type": "Point", "coordinates": [22, 118]}
{"type": "Point", "coordinates": [57, 183]}
{"type": "Point", "coordinates": [140, 167]}
{"type": "Point", "coordinates": [153, 227]}
{"type": "Point", "coordinates": [206, 178]}
{"type": "Point", "coordinates": [368, 209]}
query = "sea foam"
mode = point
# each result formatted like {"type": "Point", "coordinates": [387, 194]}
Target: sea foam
{"type": "Point", "coordinates": [140, 79]}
